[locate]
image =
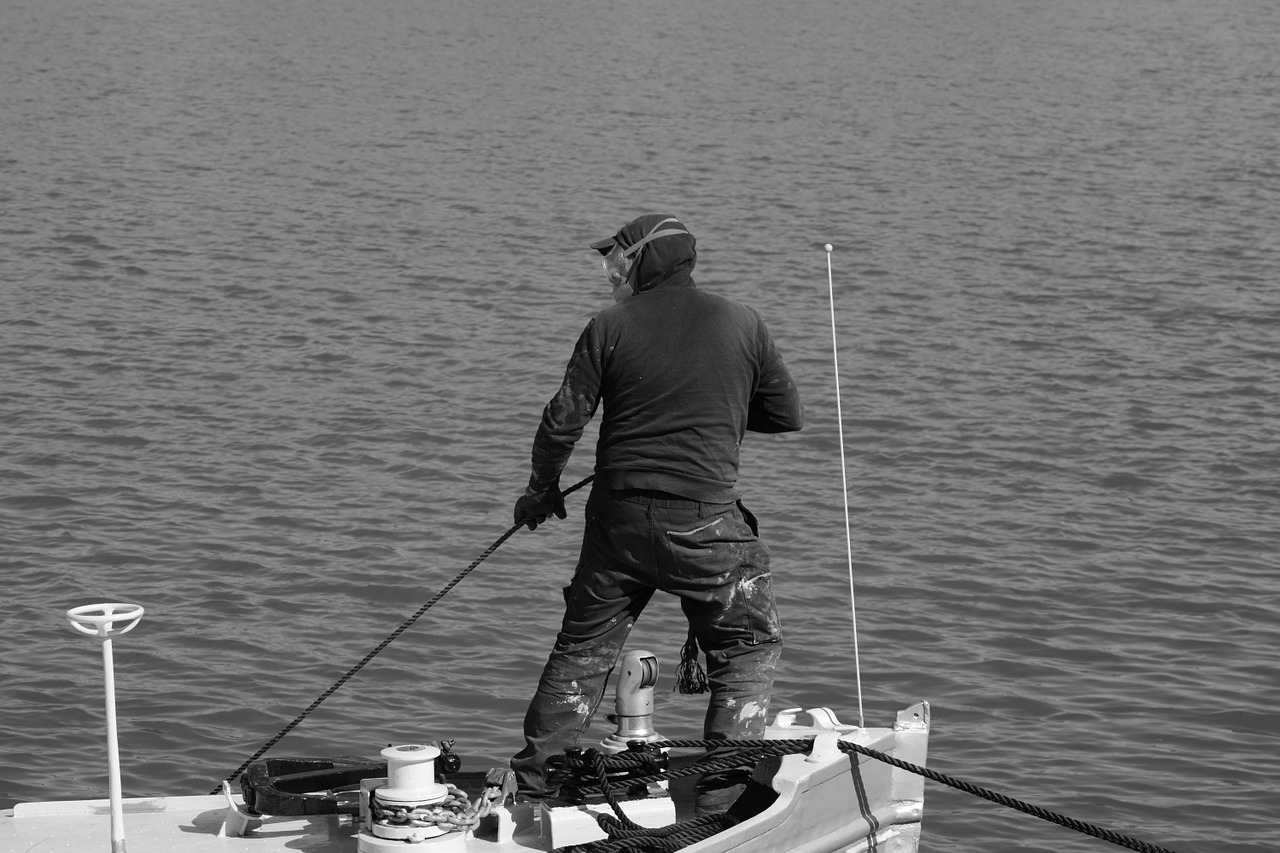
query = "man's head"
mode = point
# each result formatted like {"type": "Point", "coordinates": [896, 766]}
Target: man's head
{"type": "Point", "coordinates": [647, 250]}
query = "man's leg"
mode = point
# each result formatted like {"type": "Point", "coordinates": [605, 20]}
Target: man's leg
{"type": "Point", "coordinates": [569, 691]}
{"type": "Point", "coordinates": [741, 681]}
{"type": "Point", "coordinates": [742, 650]}
{"type": "Point", "coordinates": [735, 618]}
{"type": "Point", "coordinates": [601, 604]}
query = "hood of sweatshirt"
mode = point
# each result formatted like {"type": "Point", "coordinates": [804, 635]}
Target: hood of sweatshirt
{"type": "Point", "coordinates": [660, 248]}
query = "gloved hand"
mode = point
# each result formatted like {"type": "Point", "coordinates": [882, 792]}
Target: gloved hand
{"type": "Point", "coordinates": [532, 508]}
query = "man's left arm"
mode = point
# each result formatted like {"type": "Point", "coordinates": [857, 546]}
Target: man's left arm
{"type": "Point", "coordinates": [568, 413]}
{"type": "Point", "coordinates": [563, 421]}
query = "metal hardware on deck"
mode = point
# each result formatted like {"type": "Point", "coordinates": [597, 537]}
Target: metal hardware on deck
{"type": "Point", "coordinates": [307, 786]}
{"type": "Point", "coordinates": [633, 702]}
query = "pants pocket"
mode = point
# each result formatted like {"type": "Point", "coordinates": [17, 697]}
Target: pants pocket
{"type": "Point", "coordinates": [710, 546]}
{"type": "Point", "coordinates": [750, 518]}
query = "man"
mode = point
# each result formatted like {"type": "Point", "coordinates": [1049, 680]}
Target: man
{"type": "Point", "coordinates": [682, 374]}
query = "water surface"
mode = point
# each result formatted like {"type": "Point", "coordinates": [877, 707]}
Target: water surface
{"type": "Point", "coordinates": [287, 284]}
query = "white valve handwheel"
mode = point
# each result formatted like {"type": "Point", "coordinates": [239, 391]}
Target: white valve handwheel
{"type": "Point", "coordinates": [99, 620]}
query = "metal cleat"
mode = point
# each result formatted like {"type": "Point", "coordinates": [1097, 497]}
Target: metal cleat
{"type": "Point", "coordinates": [502, 780]}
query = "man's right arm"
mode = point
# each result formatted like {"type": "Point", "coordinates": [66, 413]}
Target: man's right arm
{"type": "Point", "coordinates": [776, 405]}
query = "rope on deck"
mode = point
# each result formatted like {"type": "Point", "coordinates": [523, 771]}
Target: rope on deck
{"type": "Point", "coordinates": [750, 751]}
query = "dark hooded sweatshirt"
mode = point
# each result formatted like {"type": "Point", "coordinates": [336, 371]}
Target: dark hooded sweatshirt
{"type": "Point", "coordinates": [682, 374]}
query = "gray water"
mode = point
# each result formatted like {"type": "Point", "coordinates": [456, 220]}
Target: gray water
{"type": "Point", "coordinates": [286, 286]}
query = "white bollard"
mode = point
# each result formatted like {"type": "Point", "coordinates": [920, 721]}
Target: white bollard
{"type": "Point", "coordinates": [99, 620]}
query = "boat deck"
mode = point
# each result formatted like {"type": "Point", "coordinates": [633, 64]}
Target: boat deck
{"type": "Point", "coordinates": [823, 801]}
{"type": "Point", "coordinates": [191, 825]}
{"type": "Point", "coordinates": [157, 823]}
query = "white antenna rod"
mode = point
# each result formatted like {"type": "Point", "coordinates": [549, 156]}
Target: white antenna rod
{"type": "Point", "coordinates": [844, 486]}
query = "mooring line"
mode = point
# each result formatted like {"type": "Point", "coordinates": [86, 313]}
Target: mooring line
{"type": "Point", "coordinates": [1062, 820]}
{"type": "Point", "coordinates": [751, 751]}
{"type": "Point", "coordinates": [404, 626]}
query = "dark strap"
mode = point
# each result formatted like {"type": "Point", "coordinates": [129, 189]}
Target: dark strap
{"type": "Point", "coordinates": [654, 234]}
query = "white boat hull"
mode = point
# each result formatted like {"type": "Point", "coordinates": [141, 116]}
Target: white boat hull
{"type": "Point", "coordinates": [827, 801]}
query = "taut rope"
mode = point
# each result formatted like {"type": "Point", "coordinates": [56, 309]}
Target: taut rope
{"type": "Point", "coordinates": [404, 626]}
{"type": "Point", "coordinates": [753, 750]}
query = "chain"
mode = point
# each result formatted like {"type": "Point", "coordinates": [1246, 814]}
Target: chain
{"type": "Point", "coordinates": [454, 813]}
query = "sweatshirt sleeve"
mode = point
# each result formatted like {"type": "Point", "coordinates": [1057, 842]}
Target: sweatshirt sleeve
{"type": "Point", "coordinates": [569, 411]}
{"type": "Point", "coordinates": [776, 404]}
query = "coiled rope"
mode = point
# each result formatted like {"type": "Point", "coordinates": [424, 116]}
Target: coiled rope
{"type": "Point", "coordinates": [404, 626]}
{"type": "Point", "coordinates": [752, 751]}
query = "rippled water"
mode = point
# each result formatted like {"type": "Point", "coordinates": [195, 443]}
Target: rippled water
{"type": "Point", "coordinates": [287, 284]}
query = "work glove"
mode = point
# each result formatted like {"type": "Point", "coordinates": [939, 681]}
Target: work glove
{"type": "Point", "coordinates": [532, 508]}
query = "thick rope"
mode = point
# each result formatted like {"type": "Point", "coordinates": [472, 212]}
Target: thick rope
{"type": "Point", "coordinates": [627, 837]}
{"type": "Point", "coordinates": [744, 757]}
{"type": "Point", "coordinates": [753, 750]}
{"type": "Point", "coordinates": [404, 626]}
{"type": "Point", "coordinates": [1089, 829]}
{"type": "Point", "coordinates": [663, 839]}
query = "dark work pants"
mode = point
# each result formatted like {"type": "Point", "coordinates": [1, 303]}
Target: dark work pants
{"type": "Point", "coordinates": [709, 556]}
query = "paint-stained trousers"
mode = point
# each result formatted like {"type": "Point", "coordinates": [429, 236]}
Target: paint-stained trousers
{"type": "Point", "coordinates": [707, 554]}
